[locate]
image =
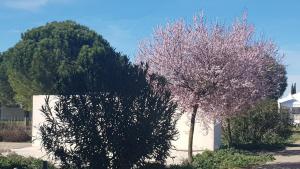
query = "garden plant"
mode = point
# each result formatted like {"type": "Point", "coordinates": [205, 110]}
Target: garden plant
{"type": "Point", "coordinates": [215, 71]}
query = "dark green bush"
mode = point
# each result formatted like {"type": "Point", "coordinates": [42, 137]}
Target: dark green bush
{"type": "Point", "coordinates": [111, 130]}
{"type": "Point", "coordinates": [228, 158]}
{"type": "Point", "coordinates": [153, 166]}
{"type": "Point", "coordinates": [15, 161]}
{"type": "Point", "coordinates": [161, 166]}
{"type": "Point", "coordinates": [220, 159]}
{"type": "Point", "coordinates": [182, 166]}
{"type": "Point", "coordinates": [263, 126]}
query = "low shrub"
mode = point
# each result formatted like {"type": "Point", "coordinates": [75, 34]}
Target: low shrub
{"type": "Point", "coordinates": [295, 136]}
{"type": "Point", "coordinates": [182, 166]}
{"type": "Point", "coordinates": [14, 132]}
{"type": "Point", "coordinates": [220, 159]}
{"type": "Point", "coordinates": [263, 126]}
{"type": "Point", "coordinates": [14, 135]}
{"type": "Point", "coordinates": [229, 158]}
{"type": "Point", "coordinates": [153, 166]}
{"type": "Point", "coordinates": [15, 161]}
{"type": "Point", "coordinates": [161, 166]}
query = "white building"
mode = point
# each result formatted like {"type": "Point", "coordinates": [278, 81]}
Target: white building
{"type": "Point", "coordinates": [292, 104]}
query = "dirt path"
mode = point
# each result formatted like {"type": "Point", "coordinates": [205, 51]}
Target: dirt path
{"type": "Point", "coordinates": [285, 159]}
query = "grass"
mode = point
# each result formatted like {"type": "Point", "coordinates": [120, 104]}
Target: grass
{"type": "Point", "coordinates": [296, 135]}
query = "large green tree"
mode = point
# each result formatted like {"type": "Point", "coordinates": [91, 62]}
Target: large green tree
{"type": "Point", "coordinates": [113, 115]}
{"type": "Point", "coordinates": [6, 92]}
{"type": "Point", "coordinates": [276, 79]}
{"type": "Point", "coordinates": [61, 58]}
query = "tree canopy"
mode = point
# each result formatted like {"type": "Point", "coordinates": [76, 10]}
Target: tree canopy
{"type": "Point", "coordinates": [61, 58]}
{"type": "Point", "coordinates": [214, 71]}
{"type": "Point", "coordinates": [109, 112]}
{"type": "Point", "coordinates": [6, 92]}
{"type": "Point", "coordinates": [223, 69]}
{"type": "Point", "coordinates": [275, 77]}
{"type": "Point", "coordinates": [293, 88]}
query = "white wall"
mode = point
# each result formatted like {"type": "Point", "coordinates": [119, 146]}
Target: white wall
{"type": "Point", "coordinates": [38, 118]}
{"type": "Point", "coordinates": [204, 138]}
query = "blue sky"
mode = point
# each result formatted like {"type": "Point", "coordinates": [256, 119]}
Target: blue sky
{"type": "Point", "coordinates": [125, 23]}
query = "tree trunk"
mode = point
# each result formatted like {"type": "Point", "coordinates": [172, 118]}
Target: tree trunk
{"type": "Point", "coordinates": [229, 137]}
{"type": "Point", "coordinates": [26, 119]}
{"type": "Point", "coordinates": [191, 134]}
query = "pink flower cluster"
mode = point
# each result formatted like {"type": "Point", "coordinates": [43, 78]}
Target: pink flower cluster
{"type": "Point", "coordinates": [221, 68]}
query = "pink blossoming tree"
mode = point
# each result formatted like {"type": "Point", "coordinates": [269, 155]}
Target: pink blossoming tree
{"type": "Point", "coordinates": [214, 71]}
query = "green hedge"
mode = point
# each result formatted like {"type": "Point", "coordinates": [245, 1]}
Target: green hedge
{"type": "Point", "coordinates": [261, 127]}
{"type": "Point", "coordinates": [220, 159]}
{"type": "Point", "coordinates": [15, 161]}
{"type": "Point", "coordinates": [229, 158]}
{"type": "Point", "coordinates": [161, 166]}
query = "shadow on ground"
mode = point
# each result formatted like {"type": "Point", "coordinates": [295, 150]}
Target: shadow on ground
{"type": "Point", "coordinates": [293, 145]}
{"type": "Point", "coordinates": [289, 153]}
{"type": "Point", "coordinates": [280, 166]}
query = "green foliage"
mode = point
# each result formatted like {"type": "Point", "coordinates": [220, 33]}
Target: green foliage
{"type": "Point", "coordinates": [15, 161]}
{"type": "Point", "coordinates": [153, 166]}
{"type": "Point", "coordinates": [182, 166]}
{"type": "Point", "coordinates": [161, 166]}
{"type": "Point", "coordinates": [228, 158]}
{"type": "Point", "coordinates": [6, 92]}
{"type": "Point", "coordinates": [220, 159]}
{"type": "Point", "coordinates": [295, 137]}
{"type": "Point", "coordinates": [61, 58]}
{"type": "Point", "coordinates": [113, 129]}
{"type": "Point", "coordinates": [261, 126]}
{"type": "Point", "coordinates": [293, 88]}
{"type": "Point", "coordinates": [276, 80]}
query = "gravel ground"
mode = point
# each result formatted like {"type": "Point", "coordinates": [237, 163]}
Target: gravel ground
{"type": "Point", "coordinates": [6, 146]}
{"type": "Point", "coordinates": [285, 159]}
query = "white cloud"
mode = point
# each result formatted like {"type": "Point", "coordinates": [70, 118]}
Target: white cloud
{"type": "Point", "coordinates": [29, 5]}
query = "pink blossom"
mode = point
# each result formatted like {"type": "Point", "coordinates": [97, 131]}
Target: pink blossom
{"type": "Point", "coordinates": [220, 68]}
